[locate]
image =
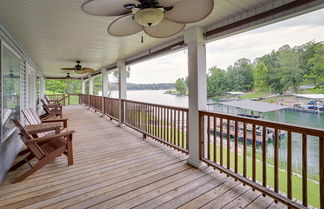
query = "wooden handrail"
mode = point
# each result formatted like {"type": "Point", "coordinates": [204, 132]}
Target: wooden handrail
{"type": "Point", "coordinates": [270, 124]}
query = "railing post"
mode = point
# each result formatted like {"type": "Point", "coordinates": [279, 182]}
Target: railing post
{"type": "Point", "coordinates": [195, 41]}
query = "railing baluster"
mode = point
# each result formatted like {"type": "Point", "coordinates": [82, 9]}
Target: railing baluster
{"type": "Point", "coordinates": [254, 153]}
{"type": "Point", "coordinates": [183, 131]}
{"type": "Point", "coordinates": [175, 127]}
{"type": "Point", "coordinates": [276, 158]}
{"type": "Point", "coordinates": [202, 135]}
{"type": "Point", "coordinates": [244, 149]}
{"type": "Point", "coordinates": [289, 161]}
{"type": "Point", "coordinates": [304, 169]}
{"type": "Point", "coordinates": [228, 144]}
{"type": "Point", "coordinates": [178, 130]}
{"type": "Point", "coordinates": [208, 137]}
{"type": "Point", "coordinates": [215, 139]}
{"type": "Point", "coordinates": [164, 123]}
{"type": "Point", "coordinates": [168, 125]}
{"type": "Point", "coordinates": [264, 156]}
{"type": "Point", "coordinates": [221, 141]}
{"type": "Point", "coordinates": [236, 147]}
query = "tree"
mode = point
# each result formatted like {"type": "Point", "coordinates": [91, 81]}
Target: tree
{"type": "Point", "coordinates": [316, 65]}
{"type": "Point", "coordinates": [216, 81]}
{"type": "Point", "coordinates": [289, 69]}
{"type": "Point", "coordinates": [240, 75]}
{"type": "Point", "coordinates": [261, 77]}
{"type": "Point", "coordinates": [181, 86]}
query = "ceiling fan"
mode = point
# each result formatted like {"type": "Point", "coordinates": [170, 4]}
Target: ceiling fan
{"type": "Point", "coordinates": [79, 69]}
{"type": "Point", "coordinates": [158, 18]}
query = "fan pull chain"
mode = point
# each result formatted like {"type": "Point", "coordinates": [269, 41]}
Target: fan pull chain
{"type": "Point", "coordinates": [142, 39]}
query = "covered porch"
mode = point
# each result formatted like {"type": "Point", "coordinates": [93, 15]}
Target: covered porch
{"type": "Point", "coordinates": [116, 168]}
{"type": "Point", "coordinates": [135, 154]}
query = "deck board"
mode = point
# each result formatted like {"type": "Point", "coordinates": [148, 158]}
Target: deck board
{"type": "Point", "coordinates": [115, 168]}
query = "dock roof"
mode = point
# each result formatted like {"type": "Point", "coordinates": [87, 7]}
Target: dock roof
{"type": "Point", "coordinates": [255, 105]}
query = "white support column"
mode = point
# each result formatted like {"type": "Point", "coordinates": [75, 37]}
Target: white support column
{"type": "Point", "coordinates": [83, 91]}
{"type": "Point", "coordinates": [90, 85]}
{"type": "Point", "coordinates": [122, 87]}
{"type": "Point", "coordinates": [195, 41]}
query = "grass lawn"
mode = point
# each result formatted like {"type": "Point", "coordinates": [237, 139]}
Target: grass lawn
{"type": "Point", "coordinates": [253, 95]}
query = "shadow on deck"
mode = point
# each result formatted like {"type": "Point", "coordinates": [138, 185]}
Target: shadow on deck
{"type": "Point", "coordinates": [115, 168]}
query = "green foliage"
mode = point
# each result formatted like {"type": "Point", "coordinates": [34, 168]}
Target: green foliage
{"type": "Point", "coordinates": [97, 84]}
{"type": "Point", "coordinates": [316, 65]}
{"type": "Point", "coordinates": [277, 72]}
{"type": "Point", "coordinates": [181, 86]}
{"type": "Point", "coordinates": [216, 81]}
{"type": "Point", "coordinates": [63, 86]}
{"type": "Point", "coordinates": [261, 77]}
{"type": "Point", "coordinates": [240, 76]}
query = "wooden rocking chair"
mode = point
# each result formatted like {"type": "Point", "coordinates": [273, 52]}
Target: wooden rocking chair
{"type": "Point", "coordinates": [45, 149]}
{"type": "Point", "coordinates": [52, 110]}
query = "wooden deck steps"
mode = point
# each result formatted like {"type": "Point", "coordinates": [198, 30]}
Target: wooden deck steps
{"type": "Point", "coordinates": [115, 168]}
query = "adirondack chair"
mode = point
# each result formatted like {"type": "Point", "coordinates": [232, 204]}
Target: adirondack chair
{"type": "Point", "coordinates": [45, 149]}
{"type": "Point", "coordinates": [52, 110]}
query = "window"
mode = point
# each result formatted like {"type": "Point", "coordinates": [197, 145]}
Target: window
{"type": "Point", "coordinates": [10, 74]}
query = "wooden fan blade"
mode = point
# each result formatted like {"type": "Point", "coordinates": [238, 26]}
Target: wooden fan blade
{"type": "Point", "coordinates": [182, 12]}
{"type": "Point", "coordinates": [168, 3]}
{"type": "Point", "coordinates": [107, 8]}
{"type": "Point", "coordinates": [164, 29]}
{"type": "Point", "coordinates": [84, 71]}
{"type": "Point", "coordinates": [69, 68]}
{"type": "Point", "coordinates": [124, 26]}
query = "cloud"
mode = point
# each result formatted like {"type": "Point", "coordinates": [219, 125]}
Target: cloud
{"type": "Point", "coordinates": [224, 52]}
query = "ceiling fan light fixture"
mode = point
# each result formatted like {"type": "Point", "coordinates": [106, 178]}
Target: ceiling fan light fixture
{"type": "Point", "coordinates": [149, 16]}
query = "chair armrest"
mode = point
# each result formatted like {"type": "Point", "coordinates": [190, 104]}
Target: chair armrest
{"type": "Point", "coordinates": [51, 137]}
{"type": "Point", "coordinates": [54, 105]}
{"type": "Point", "coordinates": [54, 120]}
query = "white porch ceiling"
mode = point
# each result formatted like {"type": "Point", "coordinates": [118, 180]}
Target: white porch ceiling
{"type": "Point", "coordinates": [55, 33]}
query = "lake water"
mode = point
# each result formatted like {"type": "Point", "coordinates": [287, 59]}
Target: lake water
{"type": "Point", "coordinates": [286, 116]}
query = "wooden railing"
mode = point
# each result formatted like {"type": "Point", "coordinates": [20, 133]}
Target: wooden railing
{"type": "Point", "coordinates": [163, 123]}
{"type": "Point", "coordinates": [111, 108]}
{"type": "Point", "coordinates": [246, 149]}
{"type": "Point", "coordinates": [96, 102]}
{"type": "Point", "coordinates": [220, 135]}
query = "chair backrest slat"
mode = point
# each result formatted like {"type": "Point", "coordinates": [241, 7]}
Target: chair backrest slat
{"type": "Point", "coordinates": [33, 119]}
{"type": "Point", "coordinates": [25, 136]}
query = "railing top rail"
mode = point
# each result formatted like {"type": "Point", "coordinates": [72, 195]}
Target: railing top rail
{"type": "Point", "coordinates": [269, 124]}
{"type": "Point", "coordinates": [158, 105]}
{"type": "Point", "coordinates": [111, 98]}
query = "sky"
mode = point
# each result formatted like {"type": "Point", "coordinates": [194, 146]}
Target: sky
{"type": "Point", "coordinates": [224, 52]}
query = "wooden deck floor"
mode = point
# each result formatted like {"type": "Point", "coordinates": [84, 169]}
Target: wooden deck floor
{"type": "Point", "coordinates": [115, 168]}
